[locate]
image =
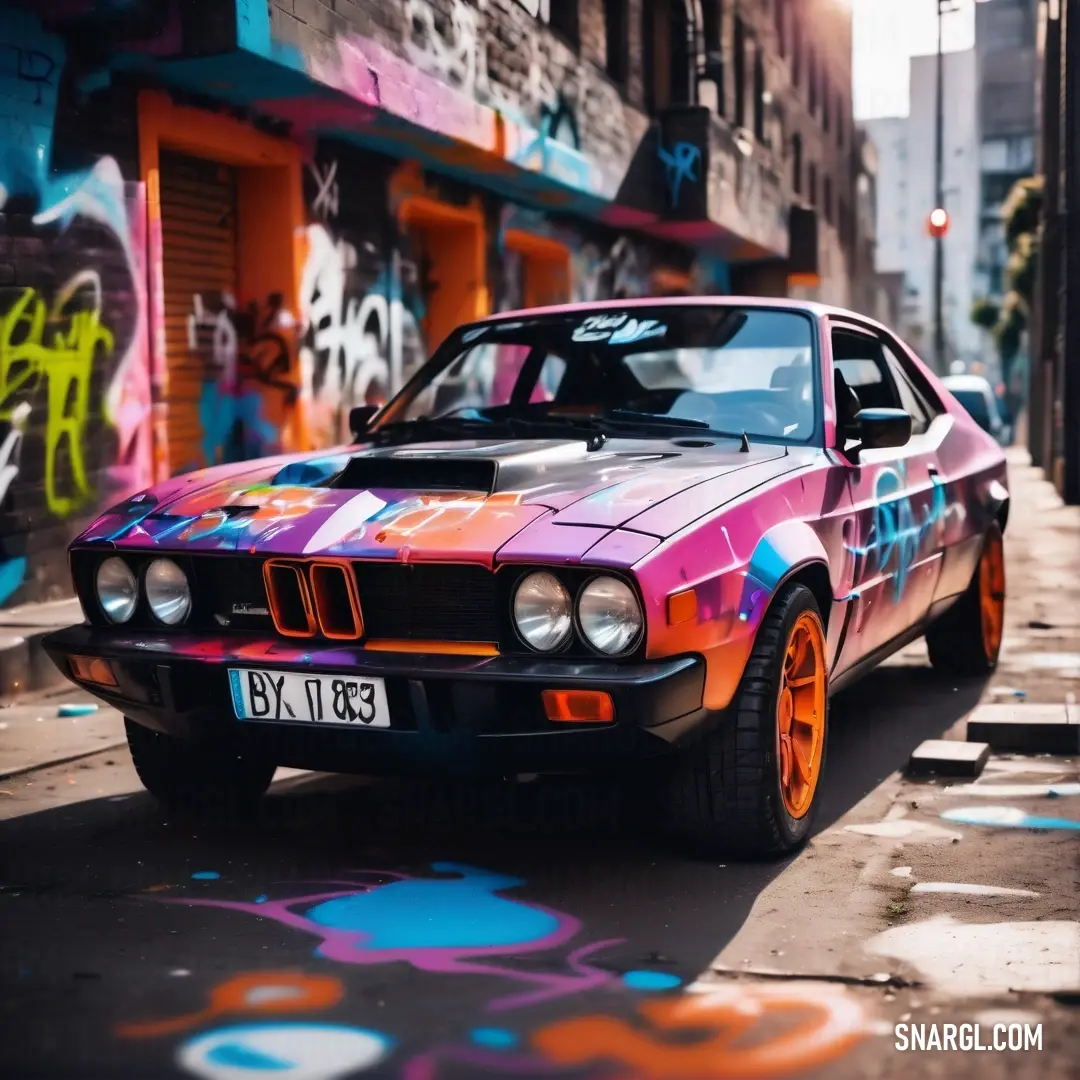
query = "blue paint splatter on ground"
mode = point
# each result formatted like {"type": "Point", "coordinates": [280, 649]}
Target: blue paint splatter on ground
{"type": "Point", "coordinates": [494, 1038]}
{"type": "Point", "coordinates": [463, 913]}
{"type": "Point", "coordinates": [1007, 817]}
{"type": "Point", "coordinates": [76, 710]}
{"type": "Point", "coordinates": [235, 1056]}
{"type": "Point", "coordinates": [261, 899]}
{"type": "Point", "coordinates": [651, 980]}
{"type": "Point", "coordinates": [205, 875]}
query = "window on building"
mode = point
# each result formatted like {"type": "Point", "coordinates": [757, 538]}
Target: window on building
{"type": "Point", "coordinates": [617, 32]}
{"type": "Point", "coordinates": [796, 52]}
{"type": "Point", "coordinates": [811, 184]}
{"type": "Point", "coordinates": [840, 121]}
{"type": "Point", "coordinates": [666, 54]}
{"type": "Point", "coordinates": [759, 94]}
{"type": "Point", "coordinates": [563, 19]}
{"type": "Point", "coordinates": [780, 15]}
{"type": "Point", "coordinates": [712, 32]}
{"type": "Point", "coordinates": [825, 103]}
{"type": "Point", "coordinates": [827, 184]}
{"type": "Point", "coordinates": [844, 223]}
{"type": "Point", "coordinates": [796, 163]}
{"type": "Point", "coordinates": [811, 79]}
{"type": "Point", "coordinates": [740, 72]}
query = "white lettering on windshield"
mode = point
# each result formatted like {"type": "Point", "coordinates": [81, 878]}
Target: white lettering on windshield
{"type": "Point", "coordinates": [618, 329]}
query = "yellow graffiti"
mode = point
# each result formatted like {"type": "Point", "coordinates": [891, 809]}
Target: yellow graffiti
{"type": "Point", "coordinates": [56, 345]}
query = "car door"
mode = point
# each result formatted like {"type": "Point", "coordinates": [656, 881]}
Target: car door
{"type": "Point", "coordinates": [898, 503]}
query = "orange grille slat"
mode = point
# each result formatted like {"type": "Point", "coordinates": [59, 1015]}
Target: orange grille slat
{"type": "Point", "coordinates": [289, 597]}
{"type": "Point", "coordinates": [337, 603]}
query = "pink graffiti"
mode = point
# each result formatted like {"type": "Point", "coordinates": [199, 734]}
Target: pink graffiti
{"type": "Point", "coordinates": [448, 926]}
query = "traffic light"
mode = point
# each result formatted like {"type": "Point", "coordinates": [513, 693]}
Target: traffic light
{"type": "Point", "coordinates": [938, 222]}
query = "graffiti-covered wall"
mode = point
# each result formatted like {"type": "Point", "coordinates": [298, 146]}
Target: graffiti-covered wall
{"type": "Point", "coordinates": [74, 378]}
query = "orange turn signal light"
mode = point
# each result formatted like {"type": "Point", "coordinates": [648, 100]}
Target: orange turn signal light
{"type": "Point", "coordinates": [682, 607]}
{"type": "Point", "coordinates": [579, 706]}
{"type": "Point", "coordinates": [93, 669]}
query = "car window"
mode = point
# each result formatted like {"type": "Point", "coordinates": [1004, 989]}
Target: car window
{"type": "Point", "coordinates": [733, 370]}
{"type": "Point", "coordinates": [859, 358]}
{"type": "Point", "coordinates": [977, 406]}
{"type": "Point", "coordinates": [910, 398]}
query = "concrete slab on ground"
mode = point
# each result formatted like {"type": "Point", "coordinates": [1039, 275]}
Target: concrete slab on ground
{"type": "Point", "coordinates": [948, 757]}
{"type": "Point", "coordinates": [1022, 728]}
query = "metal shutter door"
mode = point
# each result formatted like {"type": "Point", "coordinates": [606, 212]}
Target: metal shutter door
{"type": "Point", "coordinates": [199, 255]}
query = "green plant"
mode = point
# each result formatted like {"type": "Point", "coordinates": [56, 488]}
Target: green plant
{"type": "Point", "coordinates": [985, 313]}
{"type": "Point", "coordinates": [1009, 331]}
{"type": "Point", "coordinates": [1022, 209]}
{"type": "Point", "coordinates": [1023, 267]}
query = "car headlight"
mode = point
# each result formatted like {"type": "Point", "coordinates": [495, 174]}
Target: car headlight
{"type": "Point", "coordinates": [543, 612]}
{"type": "Point", "coordinates": [167, 592]}
{"type": "Point", "coordinates": [117, 590]}
{"type": "Point", "coordinates": [609, 615]}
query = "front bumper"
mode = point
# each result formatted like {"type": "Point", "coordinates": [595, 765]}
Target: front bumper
{"type": "Point", "coordinates": [448, 713]}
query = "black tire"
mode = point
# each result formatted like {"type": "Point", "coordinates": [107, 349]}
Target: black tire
{"type": "Point", "coordinates": [195, 777]}
{"type": "Point", "coordinates": [725, 794]}
{"type": "Point", "coordinates": [958, 641]}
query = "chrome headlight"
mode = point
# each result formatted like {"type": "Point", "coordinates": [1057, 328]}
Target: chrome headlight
{"type": "Point", "coordinates": [543, 612]}
{"type": "Point", "coordinates": [117, 590]}
{"type": "Point", "coordinates": [167, 592]}
{"type": "Point", "coordinates": [610, 616]}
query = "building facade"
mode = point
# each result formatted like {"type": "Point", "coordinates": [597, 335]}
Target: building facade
{"type": "Point", "coordinates": [1007, 71]}
{"type": "Point", "coordinates": [906, 148]}
{"type": "Point", "coordinates": [223, 223]}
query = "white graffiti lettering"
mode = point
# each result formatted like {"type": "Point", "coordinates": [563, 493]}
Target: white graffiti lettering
{"type": "Point", "coordinates": [221, 350]}
{"type": "Point", "coordinates": [327, 194]}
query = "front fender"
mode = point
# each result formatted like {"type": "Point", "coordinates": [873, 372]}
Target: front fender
{"type": "Point", "coordinates": [782, 551]}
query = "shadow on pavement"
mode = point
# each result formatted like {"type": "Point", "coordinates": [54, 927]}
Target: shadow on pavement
{"type": "Point", "coordinates": [87, 891]}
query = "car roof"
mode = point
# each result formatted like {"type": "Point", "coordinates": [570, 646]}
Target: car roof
{"type": "Point", "coordinates": [968, 382]}
{"type": "Point", "coordinates": [585, 307]}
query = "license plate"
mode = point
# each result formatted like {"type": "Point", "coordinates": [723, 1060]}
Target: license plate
{"type": "Point", "coordinates": [315, 699]}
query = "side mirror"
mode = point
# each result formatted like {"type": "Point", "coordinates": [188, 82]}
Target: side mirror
{"type": "Point", "coordinates": [359, 418]}
{"type": "Point", "coordinates": [880, 429]}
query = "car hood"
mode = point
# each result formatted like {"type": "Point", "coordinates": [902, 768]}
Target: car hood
{"type": "Point", "coordinates": [433, 501]}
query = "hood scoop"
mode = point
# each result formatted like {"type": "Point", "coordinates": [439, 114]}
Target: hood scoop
{"type": "Point", "coordinates": [419, 474]}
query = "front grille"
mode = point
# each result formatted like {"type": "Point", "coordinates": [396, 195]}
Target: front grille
{"type": "Point", "coordinates": [446, 602]}
{"type": "Point", "coordinates": [230, 593]}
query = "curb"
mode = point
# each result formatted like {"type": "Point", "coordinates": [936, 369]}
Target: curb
{"type": "Point", "coordinates": [25, 667]}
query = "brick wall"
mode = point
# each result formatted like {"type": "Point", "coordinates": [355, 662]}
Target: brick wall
{"type": "Point", "coordinates": [72, 345]}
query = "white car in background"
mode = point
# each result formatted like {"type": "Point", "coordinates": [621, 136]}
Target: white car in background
{"type": "Point", "coordinates": [978, 398]}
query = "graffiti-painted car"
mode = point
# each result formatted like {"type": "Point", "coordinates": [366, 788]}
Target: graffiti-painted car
{"type": "Point", "coordinates": [667, 530]}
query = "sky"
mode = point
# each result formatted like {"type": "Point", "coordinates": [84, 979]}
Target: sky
{"type": "Point", "coordinates": [887, 33]}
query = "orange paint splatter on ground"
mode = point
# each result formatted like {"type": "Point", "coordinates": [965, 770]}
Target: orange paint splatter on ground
{"type": "Point", "coordinates": [745, 1031]}
{"type": "Point", "coordinates": [262, 993]}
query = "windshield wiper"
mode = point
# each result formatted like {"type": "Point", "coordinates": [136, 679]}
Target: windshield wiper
{"type": "Point", "coordinates": [454, 427]}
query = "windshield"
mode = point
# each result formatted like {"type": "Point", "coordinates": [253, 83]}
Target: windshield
{"type": "Point", "coordinates": [727, 370]}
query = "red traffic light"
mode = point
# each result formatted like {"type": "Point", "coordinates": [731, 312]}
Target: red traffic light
{"type": "Point", "coordinates": [938, 222]}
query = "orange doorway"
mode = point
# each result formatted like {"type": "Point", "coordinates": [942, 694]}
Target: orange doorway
{"type": "Point", "coordinates": [448, 244]}
{"type": "Point", "coordinates": [545, 268]}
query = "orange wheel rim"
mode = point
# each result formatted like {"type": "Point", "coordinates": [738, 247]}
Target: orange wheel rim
{"type": "Point", "coordinates": [992, 595]}
{"type": "Point", "coordinates": [800, 714]}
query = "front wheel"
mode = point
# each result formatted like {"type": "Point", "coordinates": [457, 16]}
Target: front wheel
{"type": "Point", "coordinates": [966, 640]}
{"type": "Point", "coordinates": [193, 776]}
{"type": "Point", "coordinates": [751, 787]}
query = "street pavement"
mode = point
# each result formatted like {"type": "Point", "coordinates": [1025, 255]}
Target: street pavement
{"type": "Point", "coordinates": [401, 930]}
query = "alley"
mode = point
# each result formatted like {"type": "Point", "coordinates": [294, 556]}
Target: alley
{"type": "Point", "coordinates": [400, 931]}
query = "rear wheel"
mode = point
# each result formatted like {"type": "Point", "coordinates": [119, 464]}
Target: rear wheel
{"type": "Point", "coordinates": [751, 787]}
{"type": "Point", "coordinates": [194, 776]}
{"type": "Point", "coordinates": [966, 640]}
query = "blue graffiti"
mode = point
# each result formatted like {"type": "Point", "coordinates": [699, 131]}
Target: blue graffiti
{"type": "Point", "coordinates": [896, 535]}
{"type": "Point", "coordinates": [12, 574]}
{"type": "Point", "coordinates": [425, 913]}
{"type": "Point", "coordinates": [680, 164]}
{"type": "Point", "coordinates": [1008, 817]}
{"type": "Point", "coordinates": [31, 62]}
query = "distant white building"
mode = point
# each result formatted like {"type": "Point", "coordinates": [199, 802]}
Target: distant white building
{"type": "Point", "coordinates": [906, 195]}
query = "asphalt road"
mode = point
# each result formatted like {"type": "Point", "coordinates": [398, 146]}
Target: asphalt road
{"type": "Point", "coordinates": [443, 934]}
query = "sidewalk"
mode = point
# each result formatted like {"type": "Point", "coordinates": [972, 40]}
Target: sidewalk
{"type": "Point", "coordinates": [951, 901]}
